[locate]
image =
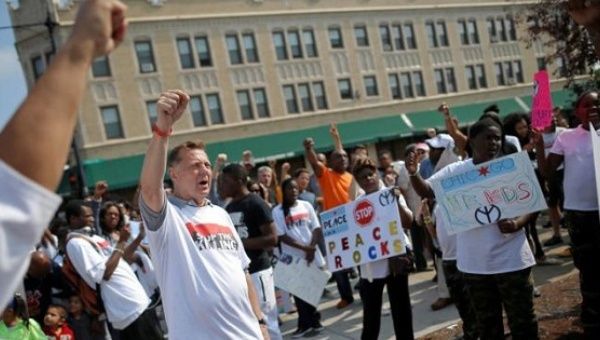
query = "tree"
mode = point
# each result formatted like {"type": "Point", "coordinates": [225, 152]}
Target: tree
{"type": "Point", "coordinates": [550, 23]}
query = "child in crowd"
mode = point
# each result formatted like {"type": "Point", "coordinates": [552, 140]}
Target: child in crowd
{"type": "Point", "coordinates": [80, 321]}
{"type": "Point", "coordinates": [16, 324]}
{"type": "Point", "coordinates": [55, 324]}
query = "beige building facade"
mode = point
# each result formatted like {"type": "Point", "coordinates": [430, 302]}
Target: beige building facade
{"type": "Point", "coordinates": [255, 68]}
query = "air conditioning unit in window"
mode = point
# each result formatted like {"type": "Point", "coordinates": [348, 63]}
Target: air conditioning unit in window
{"type": "Point", "coordinates": [511, 81]}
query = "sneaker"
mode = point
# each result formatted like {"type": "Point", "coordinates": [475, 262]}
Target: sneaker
{"type": "Point", "coordinates": [441, 303]}
{"type": "Point", "coordinates": [300, 332]}
{"type": "Point", "coordinates": [313, 332]}
{"type": "Point", "coordinates": [554, 240]}
{"type": "Point", "coordinates": [318, 327]}
{"type": "Point", "coordinates": [343, 304]}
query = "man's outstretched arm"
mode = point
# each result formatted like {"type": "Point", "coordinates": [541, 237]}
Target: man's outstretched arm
{"type": "Point", "coordinates": [36, 140]}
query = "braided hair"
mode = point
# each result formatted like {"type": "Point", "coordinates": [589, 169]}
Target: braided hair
{"type": "Point", "coordinates": [286, 204]}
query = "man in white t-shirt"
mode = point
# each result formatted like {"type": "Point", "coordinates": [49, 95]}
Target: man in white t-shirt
{"type": "Point", "coordinates": [200, 262]}
{"type": "Point", "coordinates": [37, 139]}
{"type": "Point", "coordinates": [102, 266]}
{"type": "Point", "coordinates": [573, 148]}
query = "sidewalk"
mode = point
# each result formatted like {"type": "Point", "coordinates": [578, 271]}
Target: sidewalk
{"type": "Point", "coordinates": [347, 323]}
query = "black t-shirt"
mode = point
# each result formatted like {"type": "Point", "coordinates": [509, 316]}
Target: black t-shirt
{"type": "Point", "coordinates": [248, 214]}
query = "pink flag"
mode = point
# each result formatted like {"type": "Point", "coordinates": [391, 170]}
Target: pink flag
{"type": "Point", "coordinates": [541, 106]}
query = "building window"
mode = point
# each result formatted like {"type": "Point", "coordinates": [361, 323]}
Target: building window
{"type": "Point", "coordinates": [345, 87]}
{"type": "Point", "coordinates": [310, 47]}
{"type": "Point", "coordinates": [475, 76]}
{"type": "Point", "coordinates": [152, 113]}
{"type": "Point", "coordinates": [280, 48]}
{"type": "Point", "coordinates": [409, 36]}
{"type": "Point", "coordinates": [499, 74]}
{"type": "Point", "coordinates": [509, 72]}
{"type": "Point", "coordinates": [233, 47]}
{"type": "Point", "coordinates": [445, 80]}
{"type": "Point", "coordinates": [502, 29]}
{"type": "Point", "coordinates": [289, 92]}
{"type": "Point", "coordinates": [294, 41]}
{"type": "Point", "coordinates": [442, 33]}
{"type": "Point", "coordinates": [261, 102]}
{"type": "Point", "coordinates": [250, 48]}
{"type": "Point", "coordinates": [394, 86]}
{"type": "Point", "coordinates": [101, 67]}
{"type": "Point", "coordinates": [437, 35]}
{"type": "Point", "coordinates": [470, 74]}
{"type": "Point", "coordinates": [335, 37]}
{"type": "Point", "coordinates": [145, 56]}
{"type": "Point", "coordinates": [480, 75]}
{"type": "Point", "coordinates": [243, 98]}
{"type": "Point", "coordinates": [431, 37]}
{"type": "Point", "coordinates": [371, 86]}
{"type": "Point", "coordinates": [214, 107]}
{"type": "Point", "coordinates": [398, 37]}
{"type": "Point", "coordinates": [386, 38]}
{"type": "Point", "coordinates": [186, 56]}
{"type": "Point", "coordinates": [203, 50]}
{"type": "Point", "coordinates": [462, 32]}
{"type": "Point", "coordinates": [37, 64]}
{"type": "Point", "coordinates": [406, 84]}
{"type": "Point", "coordinates": [305, 97]}
{"type": "Point", "coordinates": [468, 32]}
{"type": "Point", "coordinates": [419, 85]}
{"type": "Point", "coordinates": [518, 71]}
{"type": "Point", "coordinates": [198, 116]}
{"type": "Point", "coordinates": [320, 97]}
{"type": "Point", "coordinates": [362, 38]}
{"type": "Point", "coordinates": [112, 122]}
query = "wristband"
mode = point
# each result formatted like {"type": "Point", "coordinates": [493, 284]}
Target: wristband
{"type": "Point", "coordinates": [160, 133]}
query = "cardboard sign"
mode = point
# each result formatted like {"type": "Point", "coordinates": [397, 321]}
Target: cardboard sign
{"type": "Point", "coordinates": [482, 194]}
{"type": "Point", "coordinates": [596, 149]}
{"type": "Point", "coordinates": [366, 230]}
{"type": "Point", "coordinates": [307, 282]}
{"type": "Point", "coordinates": [541, 106]}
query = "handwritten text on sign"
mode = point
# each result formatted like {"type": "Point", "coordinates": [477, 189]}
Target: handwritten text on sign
{"type": "Point", "coordinates": [295, 276]}
{"type": "Point", "coordinates": [366, 230]}
{"type": "Point", "coordinates": [482, 194]}
{"type": "Point", "coordinates": [541, 107]}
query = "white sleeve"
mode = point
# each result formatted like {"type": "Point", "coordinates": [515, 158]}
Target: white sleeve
{"type": "Point", "coordinates": [314, 220]}
{"type": "Point", "coordinates": [25, 211]}
{"type": "Point", "coordinates": [279, 220]}
{"type": "Point", "coordinates": [87, 261]}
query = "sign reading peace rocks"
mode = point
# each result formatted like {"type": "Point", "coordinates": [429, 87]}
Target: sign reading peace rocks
{"type": "Point", "coordinates": [482, 194]}
{"type": "Point", "coordinates": [366, 230]}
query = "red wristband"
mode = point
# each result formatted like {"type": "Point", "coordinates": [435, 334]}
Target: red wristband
{"type": "Point", "coordinates": [159, 132]}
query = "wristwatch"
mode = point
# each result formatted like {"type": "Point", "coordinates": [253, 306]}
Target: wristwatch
{"type": "Point", "coordinates": [262, 321]}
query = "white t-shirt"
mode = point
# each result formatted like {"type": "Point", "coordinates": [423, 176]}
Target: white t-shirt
{"type": "Point", "coordinates": [579, 184]}
{"type": "Point", "coordinates": [25, 211]}
{"type": "Point", "coordinates": [147, 274]}
{"type": "Point", "coordinates": [514, 141]}
{"type": "Point", "coordinates": [486, 250]}
{"type": "Point", "coordinates": [200, 261]}
{"type": "Point", "coordinates": [447, 242]}
{"type": "Point", "coordinates": [403, 181]}
{"type": "Point", "coordinates": [299, 225]}
{"type": "Point", "coordinates": [380, 269]}
{"type": "Point", "coordinates": [549, 139]}
{"type": "Point", "coordinates": [123, 296]}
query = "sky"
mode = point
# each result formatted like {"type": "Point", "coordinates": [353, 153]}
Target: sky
{"type": "Point", "coordinates": [13, 88]}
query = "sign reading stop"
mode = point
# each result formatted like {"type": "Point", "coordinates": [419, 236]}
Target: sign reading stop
{"type": "Point", "coordinates": [364, 212]}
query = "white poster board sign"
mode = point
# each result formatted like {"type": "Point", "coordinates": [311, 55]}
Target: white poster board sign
{"type": "Point", "coordinates": [307, 282]}
{"type": "Point", "coordinates": [596, 150]}
{"type": "Point", "coordinates": [485, 193]}
{"type": "Point", "coordinates": [366, 230]}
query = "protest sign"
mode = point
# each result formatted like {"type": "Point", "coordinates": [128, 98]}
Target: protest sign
{"type": "Point", "coordinates": [541, 106]}
{"type": "Point", "coordinates": [366, 230]}
{"type": "Point", "coordinates": [596, 150]}
{"type": "Point", "coordinates": [295, 276]}
{"type": "Point", "coordinates": [482, 194]}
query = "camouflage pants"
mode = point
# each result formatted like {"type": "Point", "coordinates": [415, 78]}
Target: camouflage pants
{"type": "Point", "coordinates": [514, 292]}
{"type": "Point", "coordinates": [456, 285]}
{"type": "Point", "coordinates": [584, 229]}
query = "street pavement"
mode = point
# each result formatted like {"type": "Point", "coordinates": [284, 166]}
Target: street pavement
{"type": "Point", "coordinates": [347, 323]}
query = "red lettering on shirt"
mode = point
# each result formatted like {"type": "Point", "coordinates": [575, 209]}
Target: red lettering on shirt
{"type": "Point", "coordinates": [207, 229]}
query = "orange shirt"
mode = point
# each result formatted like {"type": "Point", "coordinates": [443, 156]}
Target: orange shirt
{"type": "Point", "coordinates": [334, 187]}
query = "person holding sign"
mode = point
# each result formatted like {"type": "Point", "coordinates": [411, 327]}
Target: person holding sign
{"type": "Point", "coordinates": [392, 272]}
{"type": "Point", "coordinates": [496, 259]}
{"type": "Point", "coordinates": [573, 148]}
{"type": "Point", "coordinates": [299, 230]}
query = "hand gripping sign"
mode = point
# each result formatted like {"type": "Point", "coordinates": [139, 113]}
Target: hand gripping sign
{"type": "Point", "coordinates": [476, 195]}
{"type": "Point", "coordinates": [366, 230]}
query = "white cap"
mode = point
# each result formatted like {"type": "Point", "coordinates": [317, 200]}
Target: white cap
{"type": "Point", "coordinates": [441, 141]}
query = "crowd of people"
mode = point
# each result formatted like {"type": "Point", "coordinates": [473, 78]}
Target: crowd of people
{"type": "Point", "coordinates": [171, 261]}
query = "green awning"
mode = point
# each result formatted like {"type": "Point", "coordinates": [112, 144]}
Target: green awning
{"type": "Point", "coordinates": [124, 172]}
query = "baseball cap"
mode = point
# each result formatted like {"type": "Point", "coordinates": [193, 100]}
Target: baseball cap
{"type": "Point", "coordinates": [441, 141]}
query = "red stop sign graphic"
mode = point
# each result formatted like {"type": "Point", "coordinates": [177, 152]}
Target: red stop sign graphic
{"type": "Point", "coordinates": [364, 213]}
